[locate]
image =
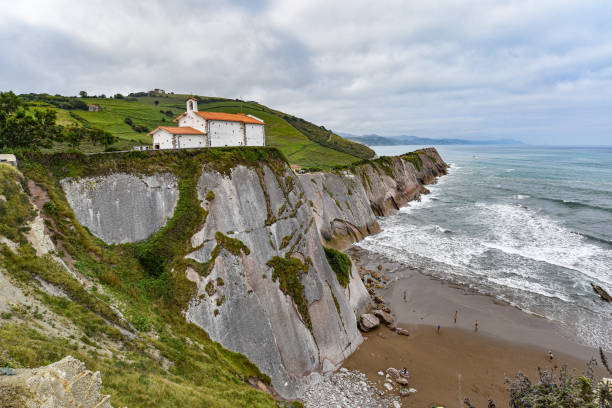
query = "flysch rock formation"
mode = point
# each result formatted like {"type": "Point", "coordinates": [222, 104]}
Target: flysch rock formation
{"type": "Point", "coordinates": [341, 206]}
{"type": "Point", "coordinates": [121, 207]}
{"type": "Point", "coordinates": [274, 213]}
{"type": "Point", "coordinates": [64, 384]}
{"type": "Point", "coordinates": [347, 203]}
{"type": "Point", "coordinates": [255, 317]}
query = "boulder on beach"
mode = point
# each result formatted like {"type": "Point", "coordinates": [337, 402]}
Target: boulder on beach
{"type": "Point", "coordinates": [601, 292]}
{"type": "Point", "coordinates": [368, 321]}
{"type": "Point", "coordinates": [383, 316]}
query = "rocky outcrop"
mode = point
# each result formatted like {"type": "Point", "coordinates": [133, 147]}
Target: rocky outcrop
{"type": "Point", "coordinates": [64, 384]}
{"type": "Point", "coordinates": [341, 207]}
{"type": "Point", "coordinates": [346, 203]}
{"type": "Point", "coordinates": [601, 292]}
{"type": "Point", "coordinates": [276, 300]}
{"type": "Point", "coordinates": [120, 207]}
{"type": "Point", "coordinates": [356, 293]}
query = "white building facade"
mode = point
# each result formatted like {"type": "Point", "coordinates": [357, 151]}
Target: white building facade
{"type": "Point", "coordinates": [215, 129]}
{"type": "Point", "coordinates": [171, 137]}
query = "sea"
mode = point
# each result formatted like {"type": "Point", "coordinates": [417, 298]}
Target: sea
{"type": "Point", "coordinates": [531, 226]}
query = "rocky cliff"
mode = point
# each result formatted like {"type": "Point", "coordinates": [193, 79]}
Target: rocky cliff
{"type": "Point", "coordinates": [347, 202]}
{"type": "Point", "coordinates": [264, 286]}
{"type": "Point", "coordinates": [247, 232]}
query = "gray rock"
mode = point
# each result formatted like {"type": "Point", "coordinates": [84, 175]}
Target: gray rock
{"type": "Point", "coordinates": [274, 335]}
{"type": "Point", "coordinates": [368, 321]}
{"type": "Point", "coordinates": [602, 293]}
{"type": "Point", "coordinates": [120, 207]}
{"type": "Point", "coordinates": [64, 384]}
{"type": "Point", "coordinates": [383, 316]}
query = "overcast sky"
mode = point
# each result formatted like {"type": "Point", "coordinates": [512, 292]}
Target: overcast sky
{"type": "Point", "coordinates": [539, 71]}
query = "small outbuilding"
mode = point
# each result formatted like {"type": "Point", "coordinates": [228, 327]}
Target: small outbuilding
{"type": "Point", "coordinates": [8, 159]}
{"type": "Point", "coordinates": [93, 108]}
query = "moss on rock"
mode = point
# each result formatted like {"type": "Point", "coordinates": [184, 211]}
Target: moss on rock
{"type": "Point", "coordinates": [340, 264]}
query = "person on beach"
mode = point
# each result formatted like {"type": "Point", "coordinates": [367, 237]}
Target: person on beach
{"type": "Point", "coordinates": [456, 311]}
{"type": "Point", "coordinates": [550, 355]}
{"type": "Point", "coordinates": [476, 326]}
{"type": "Point", "coordinates": [404, 296]}
{"type": "Point", "coordinates": [438, 329]}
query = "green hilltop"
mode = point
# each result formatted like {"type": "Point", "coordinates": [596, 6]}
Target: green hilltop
{"type": "Point", "coordinates": [130, 118]}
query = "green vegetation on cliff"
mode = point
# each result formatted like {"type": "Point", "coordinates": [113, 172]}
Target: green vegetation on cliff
{"type": "Point", "coordinates": [130, 119]}
{"type": "Point", "coordinates": [340, 264]}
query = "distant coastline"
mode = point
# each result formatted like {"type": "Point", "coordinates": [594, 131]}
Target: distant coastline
{"type": "Point", "coordinates": [376, 140]}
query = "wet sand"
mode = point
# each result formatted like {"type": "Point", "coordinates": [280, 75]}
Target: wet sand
{"type": "Point", "coordinates": [458, 362]}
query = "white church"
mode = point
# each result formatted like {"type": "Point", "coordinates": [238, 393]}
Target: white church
{"type": "Point", "coordinates": [209, 129]}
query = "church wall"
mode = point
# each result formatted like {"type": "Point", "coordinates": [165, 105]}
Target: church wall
{"type": "Point", "coordinates": [194, 121]}
{"type": "Point", "coordinates": [224, 133]}
{"type": "Point", "coordinates": [255, 135]}
{"type": "Point", "coordinates": [191, 141]}
{"type": "Point", "coordinates": [163, 138]}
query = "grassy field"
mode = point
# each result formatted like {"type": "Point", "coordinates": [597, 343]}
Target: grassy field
{"type": "Point", "coordinates": [303, 143]}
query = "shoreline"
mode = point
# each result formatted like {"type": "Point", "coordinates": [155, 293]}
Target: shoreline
{"type": "Point", "coordinates": [458, 360]}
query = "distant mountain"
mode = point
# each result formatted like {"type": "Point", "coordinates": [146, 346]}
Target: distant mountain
{"type": "Point", "coordinates": [376, 140]}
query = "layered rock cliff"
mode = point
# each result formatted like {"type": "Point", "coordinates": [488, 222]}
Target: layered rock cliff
{"type": "Point", "coordinates": [346, 203]}
{"type": "Point", "coordinates": [263, 286]}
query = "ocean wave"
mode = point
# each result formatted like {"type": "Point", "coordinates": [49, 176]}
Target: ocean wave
{"type": "Point", "coordinates": [521, 196]}
{"type": "Point", "coordinates": [520, 231]}
{"type": "Point", "coordinates": [576, 204]}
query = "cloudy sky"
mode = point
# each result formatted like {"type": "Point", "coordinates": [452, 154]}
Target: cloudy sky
{"type": "Point", "coordinates": [539, 71]}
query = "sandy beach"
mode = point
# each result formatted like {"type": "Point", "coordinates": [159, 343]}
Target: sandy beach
{"type": "Point", "coordinates": [458, 362]}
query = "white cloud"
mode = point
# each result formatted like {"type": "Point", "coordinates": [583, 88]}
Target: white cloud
{"type": "Point", "coordinates": [518, 69]}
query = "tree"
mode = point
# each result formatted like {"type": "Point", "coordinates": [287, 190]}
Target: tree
{"type": "Point", "coordinates": [156, 102]}
{"type": "Point", "coordinates": [74, 135]}
{"type": "Point", "coordinates": [100, 136]}
{"type": "Point", "coordinates": [83, 94]}
{"type": "Point", "coordinates": [21, 128]}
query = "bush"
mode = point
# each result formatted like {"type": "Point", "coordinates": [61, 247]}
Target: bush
{"type": "Point", "coordinates": [340, 264]}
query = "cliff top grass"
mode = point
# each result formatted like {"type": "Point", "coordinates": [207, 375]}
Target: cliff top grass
{"type": "Point", "coordinates": [302, 142]}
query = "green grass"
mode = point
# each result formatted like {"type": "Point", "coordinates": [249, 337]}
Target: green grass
{"type": "Point", "coordinates": [15, 206]}
{"type": "Point", "coordinates": [303, 143]}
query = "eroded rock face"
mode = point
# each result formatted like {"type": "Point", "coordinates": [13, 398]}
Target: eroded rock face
{"type": "Point", "coordinates": [121, 208]}
{"type": "Point", "coordinates": [347, 203]}
{"type": "Point", "coordinates": [64, 384]}
{"type": "Point", "coordinates": [240, 303]}
{"type": "Point", "coordinates": [341, 207]}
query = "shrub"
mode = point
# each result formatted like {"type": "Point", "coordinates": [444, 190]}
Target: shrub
{"type": "Point", "coordinates": [340, 264]}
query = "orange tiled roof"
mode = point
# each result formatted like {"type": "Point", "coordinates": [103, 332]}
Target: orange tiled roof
{"type": "Point", "coordinates": [183, 130]}
{"type": "Point", "coordinates": [229, 117]}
